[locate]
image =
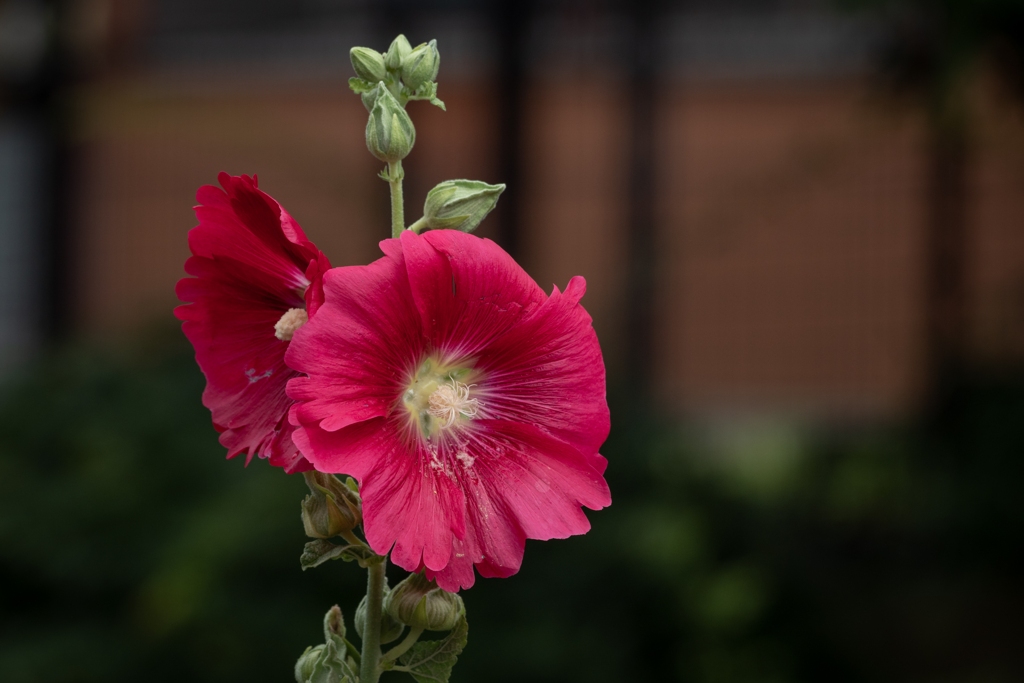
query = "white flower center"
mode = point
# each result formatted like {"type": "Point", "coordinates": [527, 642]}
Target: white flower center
{"type": "Point", "coordinates": [449, 401]}
{"type": "Point", "coordinates": [293, 319]}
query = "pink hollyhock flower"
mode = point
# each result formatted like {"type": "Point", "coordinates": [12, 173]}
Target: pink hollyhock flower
{"type": "Point", "coordinates": [469, 405]}
{"type": "Point", "coordinates": [256, 278]}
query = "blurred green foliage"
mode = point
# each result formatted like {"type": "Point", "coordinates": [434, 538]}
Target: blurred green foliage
{"type": "Point", "coordinates": [130, 550]}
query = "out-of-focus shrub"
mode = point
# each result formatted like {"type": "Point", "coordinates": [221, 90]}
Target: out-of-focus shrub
{"type": "Point", "coordinates": [130, 550]}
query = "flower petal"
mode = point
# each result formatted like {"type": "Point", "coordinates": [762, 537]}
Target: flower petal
{"type": "Point", "coordinates": [410, 506]}
{"type": "Point", "coordinates": [368, 314]}
{"type": "Point", "coordinates": [548, 371]}
{"type": "Point", "coordinates": [521, 483]}
{"type": "Point", "coordinates": [467, 290]}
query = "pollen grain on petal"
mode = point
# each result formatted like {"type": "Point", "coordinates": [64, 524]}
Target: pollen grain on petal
{"type": "Point", "coordinates": [293, 319]}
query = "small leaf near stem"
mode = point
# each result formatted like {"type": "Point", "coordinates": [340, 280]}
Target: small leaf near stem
{"type": "Point", "coordinates": [353, 651]}
{"type": "Point", "coordinates": [395, 174]}
{"type": "Point", "coordinates": [369, 667]}
{"type": "Point", "coordinates": [315, 553]}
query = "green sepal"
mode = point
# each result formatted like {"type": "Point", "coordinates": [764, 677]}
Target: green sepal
{"type": "Point", "coordinates": [427, 91]}
{"type": "Point", "coordinates": [432, 661]}
{"type": "Point", "coordinates": [328, 663]}
{"type": "Point", "coordinates": [359, 85]}
{"type": "Point", "coordinates": [319, 551]}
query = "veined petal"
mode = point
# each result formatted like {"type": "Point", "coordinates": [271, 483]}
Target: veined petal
{"type": "Point", "coordinates": [467, 293]}
{"type": "Point", "coordinates": [414, 505]}
{"type": "Point", "coordinates": [521, 484]}
{"type": "Point", "coordinates": [548, 371]}
{"type": "Point", "coordinates": [368, 314]}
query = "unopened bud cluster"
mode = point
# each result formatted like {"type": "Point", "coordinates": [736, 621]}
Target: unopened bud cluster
{"type": "Point", "coordinates": [386, 83]}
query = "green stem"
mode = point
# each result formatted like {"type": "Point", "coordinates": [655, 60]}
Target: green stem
{"type": "Point", "coordinates": [352, 538]}
{"type": "Point", "coordinates": [395, 175]}
{"type": "Point", "coordinates": [403, 647]}
{"type": "Point", "coordinates": [418, 226]}
{"type": "Point", "coordinates": [369, 668]}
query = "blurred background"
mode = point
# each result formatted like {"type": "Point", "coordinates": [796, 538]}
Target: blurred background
{"type": "Point", "coordinates": [801, 226]}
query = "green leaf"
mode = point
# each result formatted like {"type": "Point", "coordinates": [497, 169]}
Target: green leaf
{"type": "Point", "coordinates": [319, 551]}
{"type": "Point", "coordinates": [360, 85]}
{"type": "Point", "coordinates": [432, 661]}
{"type": "Point", "coordinates": [438, 103]}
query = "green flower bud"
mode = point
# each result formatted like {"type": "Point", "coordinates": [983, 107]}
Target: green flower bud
{"type": "Point", "coordinates": [421, 65]}
{"type": "Point", "coordinates": [399, 50]}
{"type": "Point", "coordinates": [421, 604]}
{"type": "Point", "coordinates": [368, 64]}
{"type": "Point", "coordinates": [390, 134]}
{"type": "Point", "coordinates": [389, 628]}
{"type": "Point", "coordinates": [334, 624]}
{"type": "Point", "coordinates": [327, 663]}
{"type": "Point", "coordinates": [331, 508]}
{"type": "Point", "coordinates": [459, 204]}
{"type": "Point", "coordinates": [306, 665]}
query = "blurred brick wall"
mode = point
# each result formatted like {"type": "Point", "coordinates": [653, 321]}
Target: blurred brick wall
{"type": "Point", "coordinates": [790, 236]}
{"type": "Point", "coordinates": [792, 241]}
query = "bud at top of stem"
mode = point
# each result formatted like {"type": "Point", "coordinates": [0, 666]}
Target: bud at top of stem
{"type": "Point", "coordinates": [421, 65]}
{"type": "Point", "coordinates": [418, 602]}
{"type": "Point", "coordinates": [390, 134]}
{"type": "Point", "coordinates": [459, 204]}
{"type": "Point", "coordinates": [331, 508]}
{"type": "Point", "coordinates": [400, 48]}
{"type": "Point", "coordinates": [368, 64]}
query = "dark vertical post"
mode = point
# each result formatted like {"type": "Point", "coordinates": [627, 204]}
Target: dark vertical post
{"type": "Point", "coordinates": [946, 245]}
{"type": "Point", "coordinates": [61, 160]}
{"type": "Point", "coordinates": [642, 91]}
{"type": "Point", "coordinates": [39, 96]}
{"type": "Point", "coordinates": [511, 23]}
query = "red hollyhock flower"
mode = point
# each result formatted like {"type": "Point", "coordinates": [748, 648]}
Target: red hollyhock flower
{"type": "Point", "coordinates": [256, 277]}
{"type": "Point", "coordinates": [469, 405]}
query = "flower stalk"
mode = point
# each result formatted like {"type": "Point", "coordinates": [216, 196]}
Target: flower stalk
{"type": "Point", "coordinates": [395, 175]}
{"type": "Point", "coordinates": [369, 666]}
{"type": "Point", "coordinates": [403, 647]}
